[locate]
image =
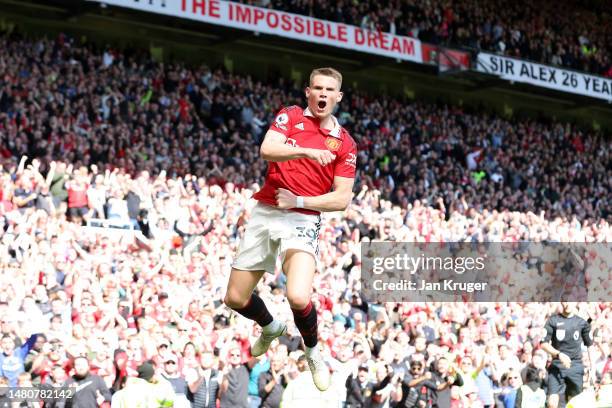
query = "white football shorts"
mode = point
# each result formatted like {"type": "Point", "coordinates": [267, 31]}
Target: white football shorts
{"type": "Point", "coordinates": [270, 232]}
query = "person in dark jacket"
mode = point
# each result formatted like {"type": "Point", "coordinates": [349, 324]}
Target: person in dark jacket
{"type": "Point", "coordinates": [234, 388]}
{"type": "Point", "coordinates": [445, 377]}
{"type": "Point", "coordinates": [419, 390]}
{"type": "Point", "coordinates": [359, 389]}
{"type": "Point", "coordinates": [272, 383]}
{"type": "Point", "coordinates": [90, 390]}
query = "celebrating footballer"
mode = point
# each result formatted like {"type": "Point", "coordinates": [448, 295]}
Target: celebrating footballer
{"type": "Point", "coordinates": [311, 169]}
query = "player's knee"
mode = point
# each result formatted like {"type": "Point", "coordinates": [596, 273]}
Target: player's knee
{"type": "Point", "coordinates": [553, 401]}
{"type": "Point", "coordinates": [233, 300]}
{"type": "Point", "coordinates": [298, 301]}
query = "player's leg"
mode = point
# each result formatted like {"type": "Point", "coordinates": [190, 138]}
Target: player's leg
{"type": "Point", "coordinates": [574, 379]}
{"type": "Point", "coordinates": [241, 298]}
{"type": "Point", "coordinates": [300, 266]}
{"type": "Point", "coordinates": [556, 386]}
{"type": "Point", "coordinates": [240, 288]}
{"type": "Point", "coordinates": [257, 254]}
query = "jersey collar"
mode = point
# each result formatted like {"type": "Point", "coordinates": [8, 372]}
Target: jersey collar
{"type": "Point", "coordinates": [335, 132]}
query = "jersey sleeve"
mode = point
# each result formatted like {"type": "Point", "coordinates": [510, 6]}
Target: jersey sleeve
{"type": "Point", "coordinates": [549, 331]}
{"type": "Point", "coordinates": [585, 332]}
{"type": "Point", "coordinates": [282, 122]}
{"type": "Point", "coordinates": [346, 163]}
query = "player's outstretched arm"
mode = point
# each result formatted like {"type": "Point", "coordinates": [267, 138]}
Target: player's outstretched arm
{"type": "Point", "coordinates": [274, 149]}
{"type": "Point", "coordinates": [337, 200]}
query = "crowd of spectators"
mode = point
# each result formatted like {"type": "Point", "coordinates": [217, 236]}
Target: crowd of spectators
{"type": "Point", "coordinates": [60, 99]}
{"type": "Point", "coordinates": [565, 33]}
{"type": "Point", "coordinates": [167, 157]}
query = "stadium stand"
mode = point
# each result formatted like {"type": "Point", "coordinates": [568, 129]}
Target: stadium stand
{"type": "Point", "coordinates": [120, 111]}
{"type": "Point", "coordinates": [565, 33]}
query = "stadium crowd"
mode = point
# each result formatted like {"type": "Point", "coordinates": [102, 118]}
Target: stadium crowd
{"type": "Point", "coordinates": [122, 111]}
{"type": "Point", "coordinates": [565, 33]}
{"type": "Point", "coordinates": [168, 157]}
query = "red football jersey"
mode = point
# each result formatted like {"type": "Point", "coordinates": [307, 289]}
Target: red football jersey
{"type": "Point", "coordinates": [306, 177]}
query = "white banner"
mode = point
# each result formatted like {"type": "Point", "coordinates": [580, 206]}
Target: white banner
{"type": "Point", "coordinates": [545, 76]}
{"type": "Point", "coordinates": [283, 24]}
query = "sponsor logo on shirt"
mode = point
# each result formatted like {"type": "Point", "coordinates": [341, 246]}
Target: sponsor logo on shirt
{"type": "Point", "coordinates": [291, 142]}
{"type": "Point", "coordinates": [300, 126]}
{"type": "Point", "coordinates": [351, 160]}
{"type": "Point", "coordinates": [576, 335]}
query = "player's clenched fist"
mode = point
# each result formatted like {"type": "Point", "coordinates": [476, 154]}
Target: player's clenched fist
{"type": "Point", "coordinates": [323, 157]}
{"type": "Point", "coordinates": [285, 199]}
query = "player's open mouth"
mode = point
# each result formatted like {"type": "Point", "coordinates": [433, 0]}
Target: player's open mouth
{"type": "Point", "coordinates": [322, 105]}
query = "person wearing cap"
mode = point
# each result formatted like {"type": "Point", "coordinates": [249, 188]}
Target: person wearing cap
{"type": "Point", "coordinates": [359, 388]}
{"type": "Point", "coordinates": [170, 373]}
{"type": "Point", "coordinates": [539, 360]}
{"type": "Point", "coordinates": [146, 390]}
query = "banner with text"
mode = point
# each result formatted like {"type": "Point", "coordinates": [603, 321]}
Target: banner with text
{"type": "Point", "coordinates": [545, 76]}
{"type": "Point", "coordinates": [288, 25]}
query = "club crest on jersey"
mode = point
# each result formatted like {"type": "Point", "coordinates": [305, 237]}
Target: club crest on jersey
{"type": "Point", "coordinates": [560, 333]}
{"type": "Point", "coordinates": [333, 144]}
{"type": "Point", "coordinates": [576, 335]}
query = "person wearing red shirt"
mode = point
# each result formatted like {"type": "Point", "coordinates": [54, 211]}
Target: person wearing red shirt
{"type": "Point", "coordinates": [311, 169]}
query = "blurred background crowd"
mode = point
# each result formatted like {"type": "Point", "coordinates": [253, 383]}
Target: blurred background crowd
{"type": "Point", "coordinates": [125, 186]}
{"type": "Point", "coordinates": [567, 33]}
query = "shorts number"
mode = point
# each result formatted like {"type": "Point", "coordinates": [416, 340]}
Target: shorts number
{"type": "Point", "coordinates": [309, 233]}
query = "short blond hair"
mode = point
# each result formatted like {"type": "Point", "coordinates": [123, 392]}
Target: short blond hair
{"type": "Point", "coordinates": [327, 71]}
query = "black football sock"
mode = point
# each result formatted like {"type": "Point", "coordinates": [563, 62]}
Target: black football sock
{"type": "Point", "coordinates": [306, 322]}
{"type": "Point", "coordinates": [256, 310]}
